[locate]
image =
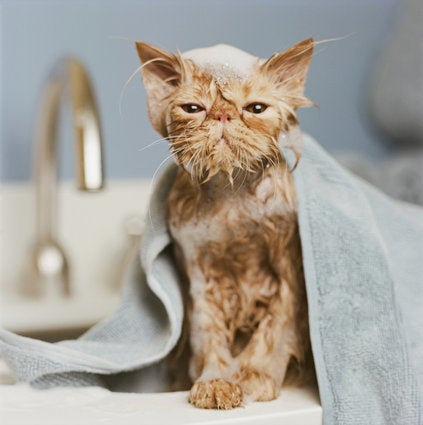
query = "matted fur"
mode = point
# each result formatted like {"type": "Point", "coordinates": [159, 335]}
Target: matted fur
{"type": "Point", "coordinates": [232, 216]}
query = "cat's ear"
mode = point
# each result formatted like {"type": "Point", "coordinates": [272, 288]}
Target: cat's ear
{"type": "Point", "coordinates": [161, 72]}
{"type": "Point", "coordinates": [289, 69]}
{"type": "Point", "coordinates": [159, 63]}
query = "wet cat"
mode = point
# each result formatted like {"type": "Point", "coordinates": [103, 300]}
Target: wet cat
{"type": "Point", "coordinates": [232, 213]}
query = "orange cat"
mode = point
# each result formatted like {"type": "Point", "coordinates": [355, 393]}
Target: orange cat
{"type": "Point", "coordinates": [232, 213]}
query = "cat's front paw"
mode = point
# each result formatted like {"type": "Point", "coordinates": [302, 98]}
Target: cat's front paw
{"type": "Point", "coordinates": [258, 386]}
{"type": "Point", "coordinates": [215, 394]}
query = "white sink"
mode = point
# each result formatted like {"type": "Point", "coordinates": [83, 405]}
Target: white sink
{"type": "Point", "coordinates": [91, 230]}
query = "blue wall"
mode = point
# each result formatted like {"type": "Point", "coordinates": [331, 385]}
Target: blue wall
{"type": "Point", "coordinates": [35, 33]}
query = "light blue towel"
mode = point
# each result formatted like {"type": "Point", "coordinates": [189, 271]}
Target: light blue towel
{"type": "Point", "coordinates": [363, 261]}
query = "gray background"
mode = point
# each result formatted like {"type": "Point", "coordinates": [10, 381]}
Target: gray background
{"type": "Point", "coordinates": [36, 33]}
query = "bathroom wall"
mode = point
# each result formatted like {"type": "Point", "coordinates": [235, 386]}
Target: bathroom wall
{"type": "Point", "coordinates": [34, 34]}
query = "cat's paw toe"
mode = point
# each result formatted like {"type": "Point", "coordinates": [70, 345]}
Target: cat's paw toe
{"type": "Point", "coordinates": [215, 394]}
{"type": "Point", "coordinates": [258, 386]}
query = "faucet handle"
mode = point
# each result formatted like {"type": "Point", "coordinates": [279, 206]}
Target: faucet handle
{"type": "Point", "coordinates": [48, 271]}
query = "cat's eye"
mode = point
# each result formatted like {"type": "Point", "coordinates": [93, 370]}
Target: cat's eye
{"type": "Point", "coordinates": [192, 108]}
{"type": "Point", "coordinates": [256, 108]}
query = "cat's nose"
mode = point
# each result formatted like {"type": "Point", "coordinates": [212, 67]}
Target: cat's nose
{"type": "Point", "coordinates": [223, 117]}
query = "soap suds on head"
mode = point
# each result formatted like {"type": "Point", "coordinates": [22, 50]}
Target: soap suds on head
{"type": "Point", "coordinates": [223, 62]}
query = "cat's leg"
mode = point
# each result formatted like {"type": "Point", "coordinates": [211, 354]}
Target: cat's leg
{"type": "Point", "coordinates": [211, 367]}
{"type": "Point", "coordinates": [264, 361]}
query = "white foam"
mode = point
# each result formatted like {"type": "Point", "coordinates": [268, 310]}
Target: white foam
{"type": "Point", "coordinates": [223, 61]}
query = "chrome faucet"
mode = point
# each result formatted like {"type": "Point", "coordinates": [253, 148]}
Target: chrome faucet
{"type": "Point", "coordinates": [49, 265]}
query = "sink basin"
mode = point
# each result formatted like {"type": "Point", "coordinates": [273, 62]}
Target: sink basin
{"type": "Point", "coordinates": [92, 231]}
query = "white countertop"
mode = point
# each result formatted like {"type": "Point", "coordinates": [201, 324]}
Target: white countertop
{"type": "Point", "coordinates": [22, 405]}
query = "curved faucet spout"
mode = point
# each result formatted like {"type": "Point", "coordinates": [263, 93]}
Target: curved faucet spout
{"type": "Point", "coordinates": [70, 80]}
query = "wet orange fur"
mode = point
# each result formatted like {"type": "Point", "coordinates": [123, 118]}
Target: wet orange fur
{"type": "Point", "coordinates": [232, 216]}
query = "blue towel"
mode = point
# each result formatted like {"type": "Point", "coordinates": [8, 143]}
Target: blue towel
{"type": "Point", "coordinates": [363, 262]}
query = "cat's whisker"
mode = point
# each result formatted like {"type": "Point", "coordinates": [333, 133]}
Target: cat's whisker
{"type": "Point", "coordinates": [158, 141]}
{"type": "Point", "coordinates": [177, 152]}
{"type": "Point", "coordinates": [158, 168]}
{"type": "Point", "coordinates": [239, 171]}
{"type": "Point", "coordinates": [122, 92]}
{"type": "Point", "coordinates": [243, 181]}
{"type": "Point", "coordinates": [195, 159]}
{"type": "Point", "coordinates": [231, 178]}
{"type": "Point", "coordinates": [177, 148]}
{"type": "Point", "coordinates": [155, 143]}
{"type": "Point", "coordinates": [190, 164]}
{"type": "Point", "coordinates": [191, 160]}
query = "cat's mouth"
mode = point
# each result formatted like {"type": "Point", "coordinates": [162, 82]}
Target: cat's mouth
{"type": "Point", "coordinates": [224, 154]}
{"type": "Point", "coordinates": [223, 151]}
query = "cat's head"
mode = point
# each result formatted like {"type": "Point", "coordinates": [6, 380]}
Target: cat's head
{"type": "Point", "coordinates": [221, 108]}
